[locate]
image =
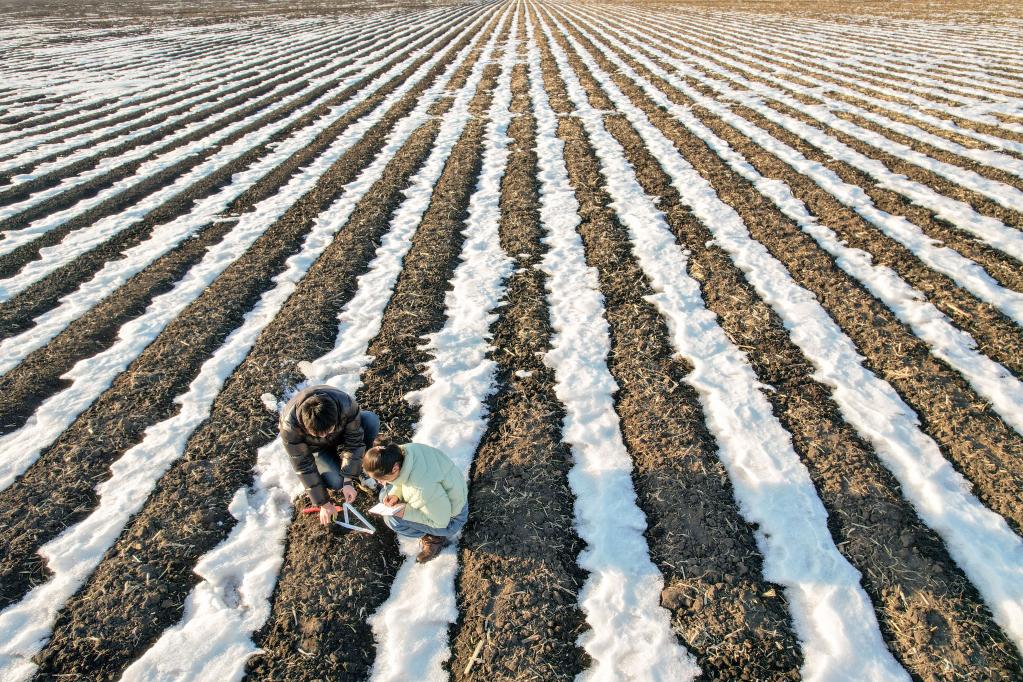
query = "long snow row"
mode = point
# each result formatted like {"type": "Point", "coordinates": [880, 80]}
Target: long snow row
{"type": "Point", "coordinates": [74, 554]}
{"type": "Point", "coordinates": [831, 613]}
{"type": "Point", "coordinates": [82, 240]}
{"type": "Point", "coordinates": [233, 600]}
{"type": "Point", "coordinates": [979, 540]}
{"type": "Point", "coordinates": [92, 376]}
{"type": "Point", "coordinates": [188, 101]}
{"type": "Point", "coordinates": [966, 273]}
{"type": "Point", "coordinates": [165, 237]}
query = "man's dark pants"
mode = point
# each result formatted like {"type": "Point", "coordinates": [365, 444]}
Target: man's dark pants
{"type": "Point", "coordinates": [329, 464]}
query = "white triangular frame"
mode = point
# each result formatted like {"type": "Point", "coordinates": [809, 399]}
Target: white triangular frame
{"type": "Point", "coordinates": [366, 526]}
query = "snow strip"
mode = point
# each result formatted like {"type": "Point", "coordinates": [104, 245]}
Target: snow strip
{"type": "Point", "coordinates": [94, 375]}
{"type": "Point", "coordinates": [987, 157]}
{"type": "Point", "coordinates": [207, 97]}
{"type": "Point", "coordinates": [760, 48]}
{"type": "Point", "coordinates": [354, 43]}
{"type": "Point", "coordinates": [26, 626]}
{"type": "Point", "coordinates": [28, 145]}
{"type": "Point", "coordinates": [947, 261]}
{"type": "Point", "coordinates": [164, 238]}
{"type": "Point", "coordinates": [411, 626]}
{"type": "Point", "coordinates": [821, 42]}
{"type": "Point", "coordinates": [990, 379]}
{"type": "Point", "coordinates": [979, 540]}
{"type": "Point", "coordinates": [977, 112]}
{"type": "Point", "coordinates": [959, 213]}
{"type": "Point", "coordinates": [999, 192]}
{"type": "Point", "coordinates": [82, 240]}
{"type": "Point", "coordinates": [831, 613]}
{"type": "Point", "coordinates": [631, 635]}
{"type": "Point", "coordinates": [238, 576]}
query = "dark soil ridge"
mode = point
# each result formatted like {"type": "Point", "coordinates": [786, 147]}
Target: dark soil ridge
{"type": "Point", "coordinates": [24, 387]}
{"type": "Point", "coordinates": [732, 620]}
{"type": "Point", "coordinates": [519, 578]}
{"type": "Point", "coordinates": [930, 614]}
{"type": "Point", "coordinates": [111, 105]}
{"type": "Point", "coordinates": [187, 515]}
{"type": "Point", "coordinates": [965, 163]}
{"type": "Point", "coordinates": [1001, 267]}
{"type": "Point", "coordinates": [819, 74]}
{"type": "Point", "coordinates": [970, 434]}
{"type": "Point", "coordinates": [997, 336]}
{"type": "Point", "coordinates": [230, 97]}
{"type": "Point", "coordinates": [869, 63]}
{"type": "Point", "coordinates": [980, 203]}
{"type": "Point", "coordinates": [353, 43]}
{"type": "Point", "coordinates": [17, 313]}
{"type": "Point", "coordinates": [319, 566]}
{"type": "Point", "coordinates": [962, 122]}
{"type": "Point", "coordinates": [48, 497]}
{"type": "Point", "coordinates": [141, 189]}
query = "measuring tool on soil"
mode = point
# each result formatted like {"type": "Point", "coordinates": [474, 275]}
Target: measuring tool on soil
{"type": "Point", "coordinates": [346, 508]}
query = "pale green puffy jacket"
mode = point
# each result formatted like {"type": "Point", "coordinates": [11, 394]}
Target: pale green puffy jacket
{"type": "Point", "coordinates": [431, 486]}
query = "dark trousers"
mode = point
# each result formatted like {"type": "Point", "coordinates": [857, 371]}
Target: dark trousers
{"type": "Point", "coordinates": [329, 464]}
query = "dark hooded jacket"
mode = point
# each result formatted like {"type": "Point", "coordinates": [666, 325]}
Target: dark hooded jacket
{"type": "Point", "coordinates": [347, 439]}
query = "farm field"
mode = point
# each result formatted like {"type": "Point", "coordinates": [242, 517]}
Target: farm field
{"type": "Point", "coordinates": [718, 305]}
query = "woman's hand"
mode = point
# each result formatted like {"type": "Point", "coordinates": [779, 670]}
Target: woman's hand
{"type": "Point", "coordinates": [327, 513]}
{"type": "Point", "coordinates": [391, 500]}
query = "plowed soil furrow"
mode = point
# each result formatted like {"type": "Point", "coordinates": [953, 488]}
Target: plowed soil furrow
{"type": "Point", "coordinates": [969, 433]}
{"type": "Point", "coordinates": [727, 615]}
{"type": "Point", "coordinates": [1001, 267]}
{"type": "Point", "coordinates": [752, 73]}
{"type": "Point", "coordinates": [48, 498]}
{"type": "Point", "coordinates": [518, 548]}
{"type": "Point", "coordinates": [225, 99]}
{"type": "Point", "coordinates": [996, 336]}
{"type": "Point", "coordinates": [354, 44]}
{"type": "Point", "coordinates": [187, 515]}
{"type": "Point", "coordinates": [66, 119]}
{"type": "Point", "coordinates": [17, 314]}
{"type": "Point", "coordinates": [930, 614]}
{"type": "Point", "coordinates": [982, 204]}
{"type": "Point", "coordinates": [164, 176]}
{"type": "Point", "coordinates": [330, 583]}
{"type": "Point", "coordinates": [871, 64]}
{"type": "Point", "coordinates": [882, 90]}
{"type": "Point", "coordinates": [759, 54]}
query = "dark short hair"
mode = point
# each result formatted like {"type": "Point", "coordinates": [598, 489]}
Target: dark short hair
{"type": "Point", "coordinates": [317, 414]}
{"type": "Point", "coordinates": [380, 459]}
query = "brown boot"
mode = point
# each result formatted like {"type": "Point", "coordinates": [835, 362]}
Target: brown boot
{"type": "Point", "coordinates": [432, 545]}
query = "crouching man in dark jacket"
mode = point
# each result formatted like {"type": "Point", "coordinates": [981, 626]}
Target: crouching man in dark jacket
{"type": "Point", "coordinates": [325, 434]}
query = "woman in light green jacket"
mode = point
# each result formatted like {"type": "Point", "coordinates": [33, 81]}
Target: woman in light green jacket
{"type": "Point", "coordinates": [428, 484]}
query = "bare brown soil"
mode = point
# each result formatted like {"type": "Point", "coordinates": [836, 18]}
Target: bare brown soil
{"type": "Point", "coordinates": [332, 639]}
{"type": "Point", "coordinates": [519, 580]}
{"type": "Point", "coordinates": [934, 621]}
{"type": "Point", "coordinates": [724, 611]}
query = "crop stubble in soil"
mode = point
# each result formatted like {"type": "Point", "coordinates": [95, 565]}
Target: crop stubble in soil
{"type": "Point", "coordinates": [970, 434]}
{"type": "Point", "coordinates": [519, 579]}
{"type": "Point", "coordinates": [932, 616]}
{"type": "Point", "coordinates": [187, 514]}
{"type": "Point", "coordinates": [329, 584]}
{"type": "Point", "coordinates": [997, 336]}
{"type": "Point", "coordinates": [25, 387]}
{"type": "Point", "coordinates": [706, 551]}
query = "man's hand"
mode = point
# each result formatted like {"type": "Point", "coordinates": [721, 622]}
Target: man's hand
{"type": "Point", "coordinates": [391, 500]}
{"type": "Point", "coordinates": [327, 513]}
{"type": "Point", "coordinates": [349, 492]}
